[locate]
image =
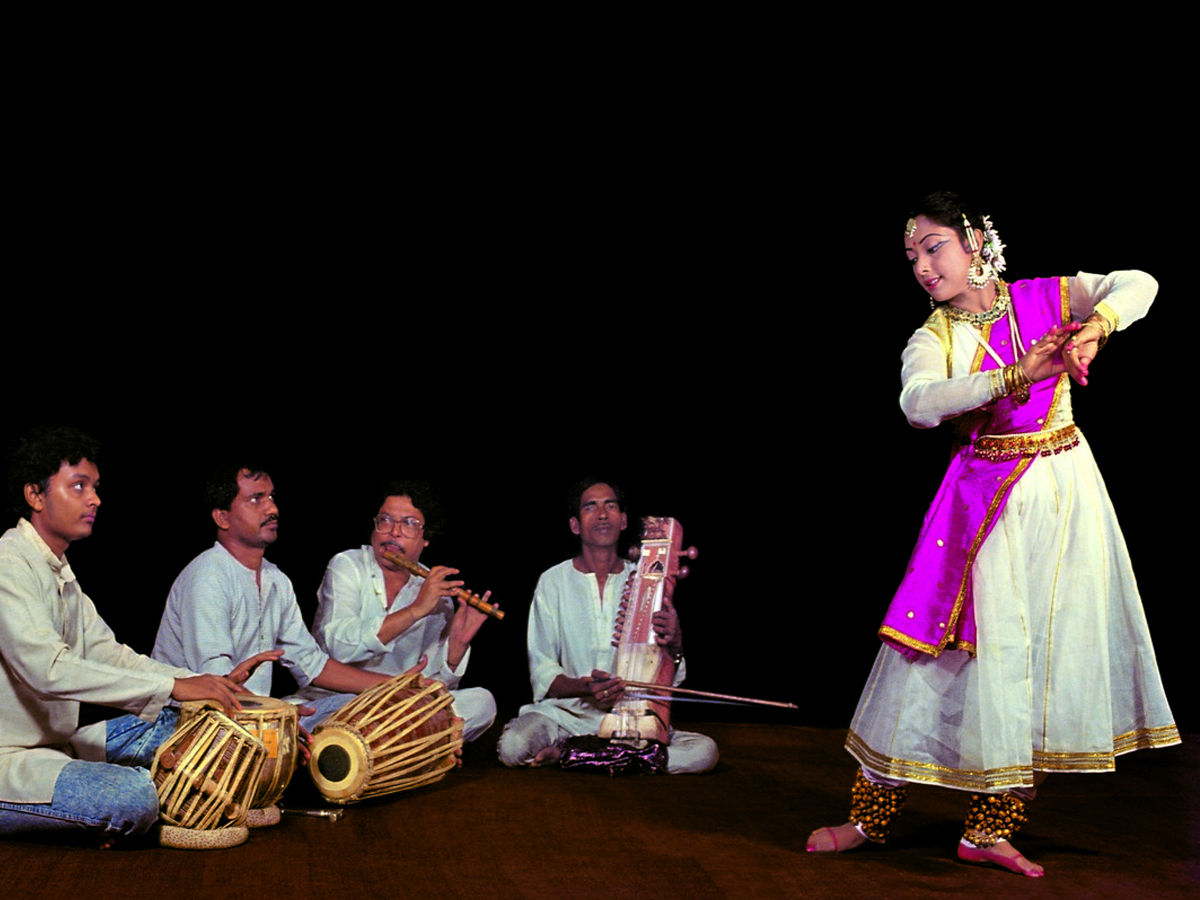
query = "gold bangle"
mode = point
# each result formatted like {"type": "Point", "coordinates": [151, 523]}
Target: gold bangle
{"type": "Point", "coordinates": [1103, 324]}
{"type": "Point", "coordinates": [1017, 382]}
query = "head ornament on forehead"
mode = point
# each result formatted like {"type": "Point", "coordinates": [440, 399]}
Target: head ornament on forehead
{"type": "Point", "coordinates": [910, 228]}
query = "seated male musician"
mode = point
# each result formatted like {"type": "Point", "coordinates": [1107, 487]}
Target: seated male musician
{"type": "Point", "coordinates": [57, 652]}
{"type": "Point", "coordinates": [375, 614]}
{"type": "Point", "coordinates": [571, 627]}
{"type": "Point", "coordinates": [229, 601]}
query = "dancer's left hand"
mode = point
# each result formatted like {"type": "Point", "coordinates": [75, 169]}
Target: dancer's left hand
{"type": "Point", "coordinates": [1080, 351]}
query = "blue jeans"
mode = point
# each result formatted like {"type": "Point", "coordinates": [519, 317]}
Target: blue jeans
{"type": "Point", "coordinates": [116, 797]}
{"type": "Point", "coordinates": [324, 706]}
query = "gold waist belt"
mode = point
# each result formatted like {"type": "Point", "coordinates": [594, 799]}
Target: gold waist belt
{"type": "Point", "coordinates": [1002, 448]}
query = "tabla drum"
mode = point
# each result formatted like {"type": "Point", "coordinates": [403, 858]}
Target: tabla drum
{"type": "Point", "coordinates": [276, 724]}
{"type": "Point", "coordinates": [206, 774]}
{"type": "Point", "coordinates": [399, 735]}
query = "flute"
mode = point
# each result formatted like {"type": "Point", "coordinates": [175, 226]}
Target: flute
{"type": "Point", "coordinates": [472, 599]}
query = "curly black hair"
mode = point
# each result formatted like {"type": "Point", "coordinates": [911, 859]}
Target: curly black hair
{"type": "Point", "coordinates": [423, 497]}
{"type": "Point", "coordinates": [40, 453]}
{"type": "Point", "coordinates": [220, 483]}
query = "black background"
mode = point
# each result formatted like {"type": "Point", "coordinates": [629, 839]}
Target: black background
{"type": "Point", "coordinates": [690, 296]}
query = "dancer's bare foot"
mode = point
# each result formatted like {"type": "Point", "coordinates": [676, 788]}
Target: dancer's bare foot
{"type": "Point", "coordinates": [1002, 854]}
{"type": "Point", "coordinates": [547, 756]}
{"type": "Point", "coordinates": [834, 840]}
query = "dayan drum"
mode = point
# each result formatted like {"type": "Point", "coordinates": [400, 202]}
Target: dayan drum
{"type": "Point", "coordinates": [399, 735]}
{"type": "Point", "coordinates": [276, 724]}
{"type": "Point", "coordinates": [206, 774]}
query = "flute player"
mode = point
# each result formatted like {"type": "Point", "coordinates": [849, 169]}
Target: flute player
{"type": "Point", "coordinates": [377, 615]}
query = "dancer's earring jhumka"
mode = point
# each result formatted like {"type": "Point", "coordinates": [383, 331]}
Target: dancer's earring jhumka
{"type": "Point", "coordinates": [873, 807]}
{"type": "Point", "coordinates": [980, 271]}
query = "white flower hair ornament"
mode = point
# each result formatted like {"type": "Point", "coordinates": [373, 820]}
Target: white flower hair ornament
{"type": "Point", "coordinates": [987, 261]}
{"type": "Point", "coordinates": [993, 247]}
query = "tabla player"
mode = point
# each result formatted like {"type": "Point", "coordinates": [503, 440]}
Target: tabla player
{"type": "Point", "coordinates": [57, 652]}
{"type": "Point", "coordinates": [231, 601]}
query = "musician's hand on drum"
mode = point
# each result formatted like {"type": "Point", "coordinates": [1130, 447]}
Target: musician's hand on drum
{"type": "Point", "coordinates": [666, 625]}
{"type": "Point", "coordinates": [458, 754]}
{"type": "Point", "coordinates": [419, 667]}
{"type": "Point", "coordinates": [305, 735]}
{"type": "Point", "coordinates": [209, 687]}
{"type": "Point", "coordinates": [246, 667]}
{"type": "Point", "coordinates": [605, 690]}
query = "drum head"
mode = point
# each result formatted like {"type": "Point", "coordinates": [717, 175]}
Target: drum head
{"type": "Point", "coordinates": [254, 706]}
{"type": "Point", "coordinates": [340, 763]}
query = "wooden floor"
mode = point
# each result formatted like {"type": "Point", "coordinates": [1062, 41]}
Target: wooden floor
{"type": "Point", "coordinates": [739, 831]}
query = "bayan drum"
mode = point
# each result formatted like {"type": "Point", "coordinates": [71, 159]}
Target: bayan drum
{"type": "Point", "coordinates": [276, 724]}
{"type": "Point", "coordinates": [399, 735]}
{"type": "Point", "coordinates": [206, 774]}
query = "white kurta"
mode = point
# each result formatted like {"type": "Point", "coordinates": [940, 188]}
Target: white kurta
{"type": "Point", "coordinates": [1065, 677]}
{"type": "Point", "coordinates": [352, 607]}
{"type": "Point", "coordinates": [352, 604]}
{"type": "Point", "coordinates": [55, 652]}
{"type": "Point", "coordinates": [571, 626]}
{"type": "Point", "coordinates": [218, 615]}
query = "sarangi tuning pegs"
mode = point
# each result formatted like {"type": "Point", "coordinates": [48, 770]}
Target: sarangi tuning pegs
{"type": "Point", "coordinates": [690, 553]}
{"type": "Point", "coordinates": [635, 552]}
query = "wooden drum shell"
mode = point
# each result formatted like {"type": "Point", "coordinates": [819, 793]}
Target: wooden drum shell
{"type": "Point", "coordinates": [276, 724]}
{"type": "Point", "coordinates": [206, 772]}
{"type": "Point", "coordinates": [399, 735]}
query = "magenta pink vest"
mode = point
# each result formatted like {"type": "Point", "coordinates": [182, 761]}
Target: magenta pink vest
{"type": "Point", "coordinates": [934, 607]}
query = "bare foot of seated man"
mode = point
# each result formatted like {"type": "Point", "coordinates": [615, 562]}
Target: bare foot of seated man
{"type": "Point", "coordinates": [547, 756]}
{"type": "Point", "coordinates": [835, 840]}
{"type": "Point", "coordinates": [1002, 854]}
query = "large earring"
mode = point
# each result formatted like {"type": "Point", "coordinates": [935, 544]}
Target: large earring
{"type": "Point", "coordinates": [980, 272]}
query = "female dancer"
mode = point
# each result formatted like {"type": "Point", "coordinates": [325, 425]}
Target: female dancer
{"type": "Point", "coordinates": [1016, 645]}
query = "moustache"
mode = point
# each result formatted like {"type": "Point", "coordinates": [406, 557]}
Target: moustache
{"type": "Point", "coordinates": [268, 520]}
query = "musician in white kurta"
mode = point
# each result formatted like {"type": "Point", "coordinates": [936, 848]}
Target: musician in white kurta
{"type": "Point", "coordinates": [56, 652]}
{"type": "Point", "coordinates": [571, 626]}
{"type": "Point", "coordinates": [377, 615]}
{"type": "Point", "coordinates": [353, 603]}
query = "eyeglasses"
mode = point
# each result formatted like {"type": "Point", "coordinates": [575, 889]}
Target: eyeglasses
{"type": "Point", "coordinates": [409, 527]}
